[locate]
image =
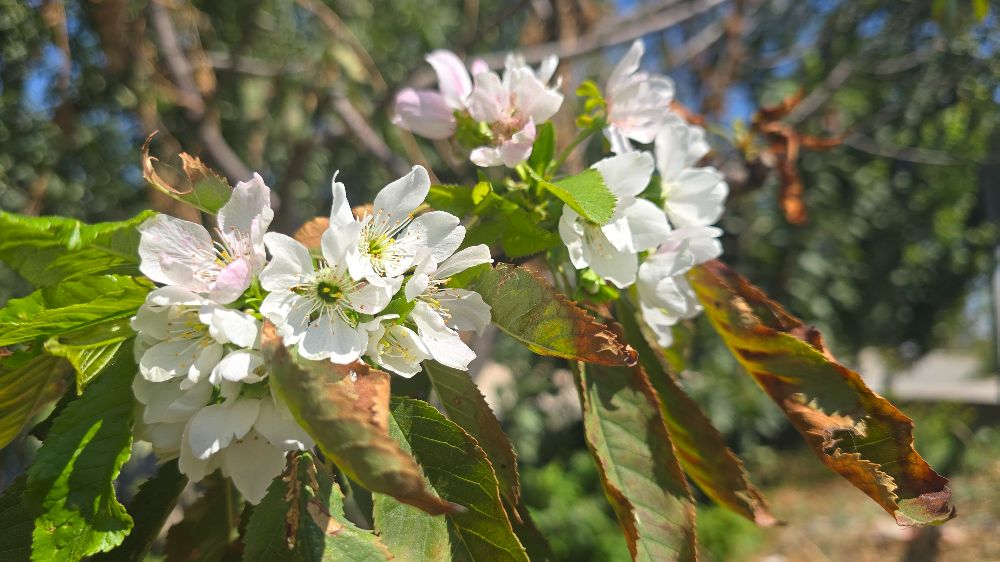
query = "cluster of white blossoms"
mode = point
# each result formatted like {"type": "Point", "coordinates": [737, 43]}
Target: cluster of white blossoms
{"type": "Point", "coordinates": [375, 290]}
{"type": "Point", "coordinates": [505, 109]}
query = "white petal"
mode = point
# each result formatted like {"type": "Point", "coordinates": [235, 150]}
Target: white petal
{"type": "Point", "coordinates": [671, 151]}
{"type": "Point", "coordinates": [232, 281]}
{"type": "Point", "coordinates": [234, 326]}
{"type": "Point", "coordinates": [250, 200]}
{"type": "Point", "coordinates": [462, 260]}
{"type": "Point", "coordinates": [289, 312]}
{"type": "Point", "coordinates": [281, 431]}
{"type": "Point", "coordinates": [242, 365]}
{"type": "Point", "coordinates": [614, 265]}
{"type": "Point", "coordinates": [647, 225]}
{"type": "Point", "coordinates": [169, 295]}
{"type": "Point", "coordinates": [334, 339]}
{"type": "Point", "coordinates": [152, 321]}
{"type": "Point", "coordinates": [208, 358]}
{"type": "Point", "coordinates": [697, 197]}
{"type": "Point", "coordinates": [453, 78]}
{"type": "Point", "coordinates": [290, 264]}
{"type": "Point", "coordinates": [374, 294]}
{"type": "Point", "coordinates": [535, 100]}
{"type": "Point", "coordinates": [189, 463]}
{"type": "Point", "coordinates": [340, 249]}
{"type": "Point", "coordinates": [490, 99]}
{"type": "Point", "coordinates": [214, 427]}
{"type": "Point", "coordinates": [340, 210]}
{"type": "Point", "coordinates": [173, 251]}
{"type": "Point", "coordinates": [661, 324]}
{"type": "Point", "coordinates": [252, 463]}
{"type": "Point", "coordinates": [626, 175]}
{"type": "Point", "coordinates": [404, 351]}
{"type": "Point", "coordinates": [467, 308]}
{"type": "Point", "coordinates": [439, 232]}
{"type": "Point", "coordinates": [617, 139]}
{"type": "Point", "coordinates": [518, 148]}
{"type": "Point", "coordinates": [400, 198]}
{"type": "Point", "coordinates": [168, 359]}
{"type": "Point", "coordinates": [625, 67]}
{"type": "Point", "coordinates": [486, 157]}
{"type": "Point", "coordinates": [424, 113]}
{"type": "Point", "coordinates": [571, 232]}
{"type": "Point", "coordinates": [443, 343]}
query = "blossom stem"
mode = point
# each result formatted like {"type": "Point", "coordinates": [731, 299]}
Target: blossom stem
{"type": "Point", "coordinates": [582, 136]}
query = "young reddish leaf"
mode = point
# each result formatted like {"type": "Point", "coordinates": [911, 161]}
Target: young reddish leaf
{"type": "Point", "coordinates": [345, 408]}
{"type": "Point", "coordinates": [700, 447]}
{"type": "Point", "coordinates": [854, 431]}
{"type": "Point", "coordinates": [530, 311]}
{"type": "Point", "coordinates": [205, 188]}
{"type": "Point", "coordinates": [466, 406]}
{"type": "Point", "coordinates": [636, 462]}
{"type": "Point", "coordinates": [310, 233]}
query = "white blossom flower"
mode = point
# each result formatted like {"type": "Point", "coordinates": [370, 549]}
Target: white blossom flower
{"type": "Point", "coordinates": [244, 436]}
{"type": "Point", "coordinates": [431, 113]}
{"type": "Point", "coordinates": [185, 335]}
{"type": "Point", "coordinates": [166, 409]}
{"type": "Point", "coordinates": [318, 308]}
{"type": "Point", "coordinates": [390, 236]}
{"type": "Point", "coordinates": [612, 250]}
{"type": "Point", "coordinates": [638, 103]}
{"type": "Point", "coordinates": [693, 196]}
{"type": "Point", "coordinates": [440, 312]}
{"type": "Point", "coordinates": [181, 253]}
{"type": "Point", "coordinates": [512, 106]}
{"type": "Point", "coordinates": [665, 296]}
{"type": "Point", "coordinates": [395, 346]}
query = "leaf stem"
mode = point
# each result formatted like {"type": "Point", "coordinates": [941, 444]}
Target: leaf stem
{"type": "Point", "coordinates": [584, 135]}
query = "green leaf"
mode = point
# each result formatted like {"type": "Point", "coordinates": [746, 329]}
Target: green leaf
{"type": "Point", "coordinates": [149, 508]}
{"type": "Point", "coordinates": [344, 408]}
{"type": "Point", "coordinates": [201, 187]}
{"type": "Point", "coordinates": [208, 529]}
{"type": "Point", "coordinates": [454, 199]}
{"type": "Point", "coordinates": [302, 518]}
{"type": "Point", "coordinates": [71, 305]}
{"type": "Point", "coordinates": [700, 447]}
{"type": "Point", "coordinates": [16, 523]}
{"type": "Point", "coordinates": [980, 8]}
{"type": "Point", "coordinates": [544, 149]}
{"type": "Point", "coordinates": [71, 483]}
{"type": "Point", "coordinates": [854, 431]}
{"type": "Point", "coordinates": [466, 406]}
{"type": "Point", "coordinates": [533, 313]}
{"type": "Point", "coordinates": [27, 384]}
{"type": "Point", "coordinates": [585, 193]}
{"type": "Point", "coordinates": [636, 462]}
{"type": "Point", "coordinates": [523, 237]}
{"type": "Point", "coordinates": [46, 250]}
{"type": "Point", "coordinates": [457, 469]}
{"type": "Point", "coordinates": [91, 349]}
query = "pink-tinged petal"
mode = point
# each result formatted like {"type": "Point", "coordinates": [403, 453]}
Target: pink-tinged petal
{"type": "Point", "coordinates": [425, 113]}
{"type": "Point", "coordinates": [172, 251]}
{"type": "Point", "coordinates": [250, 200]}
{"type": "Point", "coordinates": [626, 67]}
{"type": "Point", "coordinates": [479, 66]}
{"type": "Point", "coordinates": [486, 156]}
{"type": "Point", "coordinates": [518, 148]}
{"type": "Point", "coordinates": [490, 100]}
{"type": "Point", "coordinates": [534, 99]}
{"type": "Point", "coordinates": [231, 282]}
{"type": "Point", "coordinates": [453, 78]}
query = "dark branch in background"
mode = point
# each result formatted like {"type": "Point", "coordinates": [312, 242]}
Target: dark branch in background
{"type": "Point", "coordinates": [182, 73]}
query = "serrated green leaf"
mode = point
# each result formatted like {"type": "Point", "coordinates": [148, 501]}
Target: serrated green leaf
{"type": "Point", "coordinates": [28, 384]}
{"type": "Point", "coordinates": [150, 508]}
{"type": "Point", "coordinates": [90, 349]}
{"type": "Point", "coordinates": [302, 518]}
{"type": "Point", "coordinates": [201, 187]}
{"type": "Point", "coordinates": [585, 193]}
{"type": "Point", "coordinates": [533, 313]}
{"type": "Point", "coordinates": [208, 529]}
{"type": "Point", "coordinates": [700, 447]}
{"type": "Point", "coordinates": [523, 237]}
{"type": "Point", "coordinates": [544, 149]}
{"type": "Point", "coordinates": [454, 199]}
{"type": "Point", "coordinates": [636, 462]}
{"type": "Point", "coordinates": [16, 523]}
{"type": "Point", "coordinates": [854, 431]}
{"type": "Point", "coordinates": [344, 408]}
{"type": "Point", "coordinates": [71, 305]}
{"type": "Point", "coordinates": [71, 483]}
{"type": "Point", "coordinates": [47, 250]}
{"type": "Point", "coordinates": [457, 468]}
{"type": "Point", "coordinates": [466, 406]}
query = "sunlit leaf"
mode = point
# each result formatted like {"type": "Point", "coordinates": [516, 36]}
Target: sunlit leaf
{"type": "Point", "coordinates": [302, 518]}
{"type": "Point", "coordinates": [636, 462]}
{"type": "Point", "coordinates": [700, 448]}
{"type": "Point", "coordinates": [532, 312]}
{"type": "Point", "coordinates": [345, 410]}
{"type": "Point", "coordinates": [71, 305]}
{"type": "Point", "coordinates": [457, 469]}
{"type": "Point", "coordinates": [585, 193]}
{"type": "Point", "coordinates": [150, 508]}
{"type": "Point", "coordinates": [544, 149]}
{"type": "Point", "coordinates": [854, 431]}
{"type": "Point", "coordinates": [201, 187]}
{"type": "Point", "coordinates": [90, 349]}
{"type": "Point", "coordinates": [46, 250]}
{"type": "Point", "coordinates": [465, 405]}
{"type": "Point", "coordinates": [71, 483]}
{"type": "Point", "coordinates": [28, 384]}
